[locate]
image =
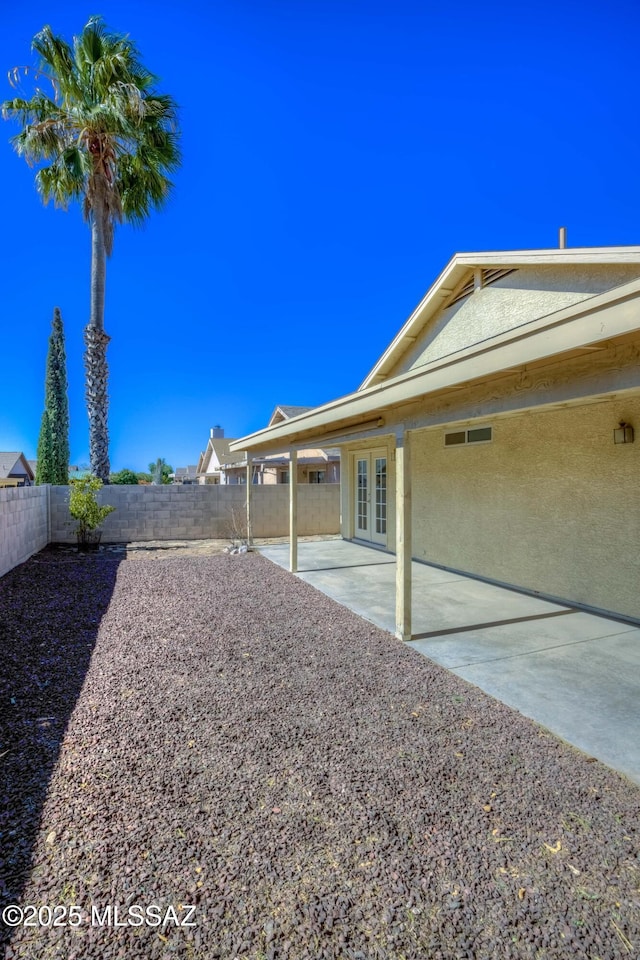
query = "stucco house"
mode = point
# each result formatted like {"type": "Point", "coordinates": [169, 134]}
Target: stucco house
{"type": "Point", "coordinates": [314, 465]}
{"type": "Point", "coordinates": [218, 464]}
{"type": "Point", "coordinates": [15, 470]}
{"type": "Point", "coordinates": [495, 435]}
{"type": "Point", "coordinates": [214, 457]}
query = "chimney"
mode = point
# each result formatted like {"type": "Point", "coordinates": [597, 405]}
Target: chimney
{"type": "Point", "coordinates": [562, 238]}
{"type": "Point", "coordinates": [217, 433]}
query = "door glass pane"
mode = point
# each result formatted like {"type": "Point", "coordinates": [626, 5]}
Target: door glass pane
{"type": "Point", "coordinates": [381, 494]}
{"type": "Point", "coordinates": [361, 495]}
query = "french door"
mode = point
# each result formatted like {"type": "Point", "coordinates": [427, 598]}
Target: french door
{"type": "Point", "coordinates": [370, 496]}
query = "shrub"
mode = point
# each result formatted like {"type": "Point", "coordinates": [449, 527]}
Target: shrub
{"type": "Point", "coordinates": [123, 476]}
{"type": "Point", "coordinates": [84, 506]}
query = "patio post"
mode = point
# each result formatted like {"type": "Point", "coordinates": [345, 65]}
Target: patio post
{"type": "Point", "coordinates": [249, 501]}
{"type": "Point", "coordinates": [293, 511]}
{"type": "Point", "coordinates": [403, 535]}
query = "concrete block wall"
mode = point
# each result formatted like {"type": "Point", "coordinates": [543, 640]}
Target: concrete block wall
{"type": "Point", "coordinates": [24, 524]}
{"type": "Point", "coordinates": [198, 512]}
{"type": "Point", "coordinates": [318, 509]}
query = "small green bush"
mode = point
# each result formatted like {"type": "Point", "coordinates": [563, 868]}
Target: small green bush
{"type": "Point", "coordinates": [84, 506]}
{"type": "Point", "coordinates": [123, 476]}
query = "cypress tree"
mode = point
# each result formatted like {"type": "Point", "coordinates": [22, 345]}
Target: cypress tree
{"type": "Point", "coordinates": [53, 444]}
{"type": "Point", "coordinates": [44, 462]}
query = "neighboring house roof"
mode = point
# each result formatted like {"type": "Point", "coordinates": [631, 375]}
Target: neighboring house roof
{"type": "Point", "coordinates": [309, 457]}
{"type": "Point", "coordinates": [14, 464]}
{"type": "Point", "coordinates": [595, 310]}
{"type": "Point", "coordinates": [219, 458]}
{"type": "Point", "coordinates": [220, 450]}
{"type": "Point", "coordinates": [283, 412]}
{"type": "Point", "coordinates": [216, 456]}
{"type": "Point", "coordinates": [186, 473]}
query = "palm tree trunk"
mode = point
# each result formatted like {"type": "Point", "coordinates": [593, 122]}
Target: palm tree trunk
{"type": "Point", "coordinates": [95, 359]}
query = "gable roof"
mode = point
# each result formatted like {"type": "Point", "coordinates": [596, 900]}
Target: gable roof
{"type": "Point", "coordinates": [14, 463]}
{"type": "Point", "coordinates": [216, 455]}
{"type": "Point", "coordinates": [568, 332]}
{"type": "Point", "coordinates": [460, 275]}
{"type": "Point", "coordinates": [283, 412]}
{"type": "Point", "coordinates": [188, 472]}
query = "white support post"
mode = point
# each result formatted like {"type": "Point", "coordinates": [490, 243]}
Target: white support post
{"type": "Point", "coordinates": [293, 511]}
{"type": "Point", "coordinates": [403, 536]}
{"type": "Point", "coordinates": [249, 501]}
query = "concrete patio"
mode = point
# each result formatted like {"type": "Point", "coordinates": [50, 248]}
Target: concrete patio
{"type": "Point", "coordinates": [576, 673]}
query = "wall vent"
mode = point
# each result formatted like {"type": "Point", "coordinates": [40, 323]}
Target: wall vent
{"type": "Point", "coordinates": [458, 438]}
{"type": "Point", "coordinates": [487, 278]}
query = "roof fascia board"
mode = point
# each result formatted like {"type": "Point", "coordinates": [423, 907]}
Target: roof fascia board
{"type": "Point", "coordinates": [440, 289]}
{"type": "Point", "coordinates": [551, 255]}
{"type": "Point", "coordinates": [275, 414]}
{"type": "Point", "coordinates": [604, 317]}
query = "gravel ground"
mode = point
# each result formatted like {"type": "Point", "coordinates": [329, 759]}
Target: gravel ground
{"type": "Point", "coordinates": [212, 731]}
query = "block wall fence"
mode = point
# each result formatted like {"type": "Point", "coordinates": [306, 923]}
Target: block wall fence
{"type": "Point", "coordinates": [24, 524]}
{"type": "Point", "coordinates": [31, 517]}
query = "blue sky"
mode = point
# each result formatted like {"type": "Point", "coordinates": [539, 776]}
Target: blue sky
{"type": "Point", "coordinates": [336, 155]}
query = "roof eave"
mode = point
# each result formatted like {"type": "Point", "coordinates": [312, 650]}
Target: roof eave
{"type": "Point", "coordinates": [452, 275]}
{"type": "Point", "coordinates": [569, 329]}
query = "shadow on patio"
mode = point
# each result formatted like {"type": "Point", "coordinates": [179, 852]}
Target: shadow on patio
{"type": "Point", "coordinates": [576, 673]}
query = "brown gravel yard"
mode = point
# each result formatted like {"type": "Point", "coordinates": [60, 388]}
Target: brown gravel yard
{"type": "Point", "coordinates": [211, 731]}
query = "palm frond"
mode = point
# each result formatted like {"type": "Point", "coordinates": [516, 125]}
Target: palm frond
{"type": "Point", "coordinates": [89, 45]}
{"type": "Point", "coordinates": [56, 61]}
{"type": "Point", "coordinates": [107, 137]}
{"type": "Point", "coordinates": [126, 99]}
{"type": "Point", "coordinates": [38, 143]}
{"type": "Point", "coordinates": [76, 162]}
{"type": "Point", "coordinates": [60, 183]}
{"type": "Point", "coordinates": [36, 110]}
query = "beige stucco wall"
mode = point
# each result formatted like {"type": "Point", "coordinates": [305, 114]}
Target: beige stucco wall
{"type": "Point", "coordinates": [518, 298]}
{"type": "Point", "coordinates": [552, 504]}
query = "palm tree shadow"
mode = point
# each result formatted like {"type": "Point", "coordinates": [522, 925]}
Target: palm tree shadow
{"type": "Point", "coordinates": [50, 613]}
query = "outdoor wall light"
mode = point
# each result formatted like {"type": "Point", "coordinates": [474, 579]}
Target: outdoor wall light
{"type": "Point", "coordinates": [623, 433]}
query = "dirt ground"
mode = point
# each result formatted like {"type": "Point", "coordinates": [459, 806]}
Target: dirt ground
{"type": "Point", "coordinates": [168, 549]}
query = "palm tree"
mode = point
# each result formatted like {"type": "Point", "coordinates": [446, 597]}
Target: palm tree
{"type": "Point", "coordinates": [109, 140]}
